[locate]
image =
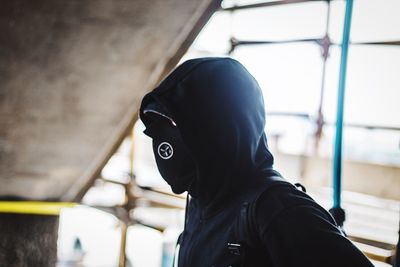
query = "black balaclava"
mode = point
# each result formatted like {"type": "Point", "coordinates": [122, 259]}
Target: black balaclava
{"type": "Point", "coordinates": [218, 110]}
{"type": "Point", "coordinates": [173, 159]}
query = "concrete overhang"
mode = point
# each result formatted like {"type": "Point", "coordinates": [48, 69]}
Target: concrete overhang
{"type": "Point", "coordinates": [72, 77]}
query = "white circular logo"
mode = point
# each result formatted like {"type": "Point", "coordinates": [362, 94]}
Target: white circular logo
{"type": "Point", "coordinates": [165, 150]}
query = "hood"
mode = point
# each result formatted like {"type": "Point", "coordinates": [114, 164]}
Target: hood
{"type": "Point", "coordinates": [218, 108]}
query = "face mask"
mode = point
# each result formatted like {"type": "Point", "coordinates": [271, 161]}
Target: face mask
{"type": "Point", "coordinates": [174, 161]}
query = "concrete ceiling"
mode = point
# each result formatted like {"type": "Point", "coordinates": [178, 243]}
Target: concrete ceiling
{"type": "Point", "coordinates": [72, 74]}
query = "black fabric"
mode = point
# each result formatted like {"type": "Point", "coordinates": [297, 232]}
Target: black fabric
{"type": "Point", "coordinates": [219, 112]}
{"type": "Point", "coordinates": [245, 228]}
{"type": "Point", "coordinates": [174, 161]}
{"type": "Point", "coordinates": [218, 108]}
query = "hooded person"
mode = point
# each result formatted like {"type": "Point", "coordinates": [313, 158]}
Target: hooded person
{"type": "Point", "coordinates": [206, 120]}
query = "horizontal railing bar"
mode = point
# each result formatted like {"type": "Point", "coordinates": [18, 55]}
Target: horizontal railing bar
{"type": "Point", "coordinates": [268, 4]}
{"type": "Point", "coordinates": [236, 42]}
{"type": "Point", "coordinates": [351, 125]}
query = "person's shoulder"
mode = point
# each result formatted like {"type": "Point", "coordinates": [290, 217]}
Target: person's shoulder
{"type": "Point", "coordinates": [287, 201]}
{"type": "Point", "coordinates": [274, 200]}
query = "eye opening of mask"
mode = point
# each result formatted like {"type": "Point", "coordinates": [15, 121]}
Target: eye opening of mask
{"type": "Point", "coordinates": [155, 113]}
{"type": "Point", "coordinates": [155, 121]}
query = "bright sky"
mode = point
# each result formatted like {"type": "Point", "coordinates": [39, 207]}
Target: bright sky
{"type": "Point", "coordinates": [290, 74]}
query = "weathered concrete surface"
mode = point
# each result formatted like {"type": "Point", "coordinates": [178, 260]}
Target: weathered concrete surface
{"type": "Point", "coordinates": [28, 240]}
{"type": "Point", "coordinates": [72, 74]}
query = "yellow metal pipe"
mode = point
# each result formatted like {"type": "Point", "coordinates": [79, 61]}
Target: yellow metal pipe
{"type": "Point", "coordinates": [122, 253]}
{"type": "Point", "coordinates": [34, 207]}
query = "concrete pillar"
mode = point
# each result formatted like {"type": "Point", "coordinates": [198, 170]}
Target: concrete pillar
{"type": "Point", "coordinates": [28, 240]}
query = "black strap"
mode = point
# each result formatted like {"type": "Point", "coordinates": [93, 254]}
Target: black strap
{"type": "Point", "coordinates": [181, 235]}
{"type": "Point", "coordinates": [245, 228]}
{"type": "Point", "coordinates": [300, 187]}
{"type": "Point", "coordinates": [176, 252]}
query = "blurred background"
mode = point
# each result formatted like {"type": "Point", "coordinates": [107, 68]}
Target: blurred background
{"type": "Point", "coordinates": [71, 90]}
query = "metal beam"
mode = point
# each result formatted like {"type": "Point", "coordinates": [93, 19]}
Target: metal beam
{"type": "Point", "coordinates": [269, 4]}
{"type": "Point", "coordinates": [237, 42]}
{"type": "Point", "coordinates": [337, 211]}
{"type": "Point", "coordinates": [320, 41]}
{"type": "Point", "coordinates": [390, 43]}
{"type": "Point", "coordinates": [306, 116]}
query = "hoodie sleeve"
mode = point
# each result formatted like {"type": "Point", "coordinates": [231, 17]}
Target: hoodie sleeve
{"type": "Point", "coordinates": [302, 234]}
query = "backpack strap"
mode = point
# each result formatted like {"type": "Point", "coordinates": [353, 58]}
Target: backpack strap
{"type": "Point", "coordinates": [245, 226]}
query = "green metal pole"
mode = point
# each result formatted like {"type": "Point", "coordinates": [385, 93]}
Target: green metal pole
{"type": "Point", "coordinates": [337, 211]}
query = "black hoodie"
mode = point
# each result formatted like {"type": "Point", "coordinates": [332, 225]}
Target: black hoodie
{"type": "Point", "coordinates": [218, 109]}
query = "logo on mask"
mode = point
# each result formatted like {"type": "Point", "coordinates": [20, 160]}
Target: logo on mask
{"type": "Point", "coordinates": [165, 150]}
